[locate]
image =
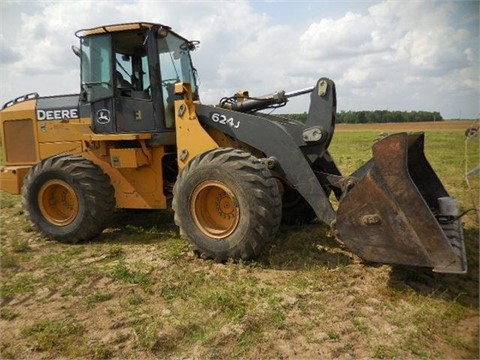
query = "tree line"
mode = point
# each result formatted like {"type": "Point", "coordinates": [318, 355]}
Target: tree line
{"type": "Point", "coordinates": [377, 116]}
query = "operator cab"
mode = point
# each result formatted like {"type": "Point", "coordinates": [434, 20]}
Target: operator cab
{"type": "Point", "coordinates": [128, 73]}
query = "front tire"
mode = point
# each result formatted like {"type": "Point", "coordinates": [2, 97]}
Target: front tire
{"type": "Point", "coordinates": [227, 204]}
{"type": "Point", "coordinates": [68, 198]}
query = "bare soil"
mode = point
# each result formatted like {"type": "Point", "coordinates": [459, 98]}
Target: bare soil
{"type": "Point", "coordinates": [450, 125]}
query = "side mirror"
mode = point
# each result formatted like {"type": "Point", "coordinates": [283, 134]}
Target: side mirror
{"type": "Point", "coordinates": [76, 50]}
{"type": "Point", "coordinates": [162, 32]}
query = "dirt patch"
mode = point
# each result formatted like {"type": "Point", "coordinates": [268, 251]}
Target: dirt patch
{"type": "Point", "coordinates": [451, 125]}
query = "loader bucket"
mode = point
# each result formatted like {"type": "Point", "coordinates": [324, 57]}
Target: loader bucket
{"type": "Point", "coordinates": [399, 212]}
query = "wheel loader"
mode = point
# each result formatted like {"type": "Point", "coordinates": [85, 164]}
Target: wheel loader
{"type": "Point", "coordinates": [137, 137]}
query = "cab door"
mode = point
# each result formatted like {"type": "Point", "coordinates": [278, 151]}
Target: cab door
{"type": "Point", "coordinates": [116, 83]}
{"type": "Point", "coordinates": [133, 100]}
{"type": "Point", "coordinates": [97, 94]}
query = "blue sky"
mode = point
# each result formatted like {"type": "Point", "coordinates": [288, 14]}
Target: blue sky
{"type": "Point", "coordinates": [393, 55]}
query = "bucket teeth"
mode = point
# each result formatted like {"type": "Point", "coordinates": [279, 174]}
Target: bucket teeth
{"type": "Point", "coordinates": [454, 232]}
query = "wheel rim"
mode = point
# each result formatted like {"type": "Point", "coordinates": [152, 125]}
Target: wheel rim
{"type": "Point", "coordinates": [215, 209]}
{"type": "Point", "coordinates": [58, 202]}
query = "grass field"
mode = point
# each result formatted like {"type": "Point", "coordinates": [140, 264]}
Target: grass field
{"type": "Point", "coordinates": [139, 292]}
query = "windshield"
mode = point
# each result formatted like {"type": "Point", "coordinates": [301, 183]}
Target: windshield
{"type": "Point", "coordinates": [175, 66]}
{"type": "Point", "coordinates": [175, 61]}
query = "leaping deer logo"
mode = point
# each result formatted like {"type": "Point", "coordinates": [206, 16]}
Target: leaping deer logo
{"type": "Point", "coordinates": [103, 116]}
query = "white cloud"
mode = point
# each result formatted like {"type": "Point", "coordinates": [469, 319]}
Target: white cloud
{"type": "Point", "coordinates": [389, 55]}
{"type": "Point", "coordinates": [396, 53]}
{"type": "Point", "coordinates": [356, 76]}
{"type": "Point", "coordinates": [346, 37]}
{"type": "Point", "coordinates": [8, 54]}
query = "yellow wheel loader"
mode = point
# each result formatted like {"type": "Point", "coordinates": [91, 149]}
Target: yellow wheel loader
{"type": "Point", "coordinates": [138, 137]}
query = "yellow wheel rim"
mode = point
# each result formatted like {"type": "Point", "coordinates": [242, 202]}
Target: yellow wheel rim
{"type": "Point", "coordinates": [58, 202]}
{"type": "Point", "coordinates": [215, 209]}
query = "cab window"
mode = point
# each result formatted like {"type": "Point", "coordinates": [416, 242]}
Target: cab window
{"type": "Point", "coordinates": [131, 75]}
{"type": "Point", "coordinates": [175, 66]}
{"type": "Point", "coordinates": [96, 71]}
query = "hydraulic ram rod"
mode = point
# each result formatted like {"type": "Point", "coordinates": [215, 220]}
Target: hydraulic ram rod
{"type": "Point", "coordinates": [299, 92]}
{"type": "Point", "coordinates": [263, 102]}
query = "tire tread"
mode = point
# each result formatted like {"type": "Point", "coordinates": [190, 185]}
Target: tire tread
{"type": "Point", "coordinates": [98, 194]}
{"type": "Point", "coordinates": [258, 181]}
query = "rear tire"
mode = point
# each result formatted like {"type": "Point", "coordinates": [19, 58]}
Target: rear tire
{"type": "Point", "coordinates": [227, 204]}
{"type": "Point", "coordinates": [68, 198]}
{"type": "Point", "coordinates": [296, 210]}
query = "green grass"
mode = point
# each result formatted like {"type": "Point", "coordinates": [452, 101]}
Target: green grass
{"type": "Point", "coordinates": [123, 273]}
{"type": "Point", "coordinates": [18, 285]}
{"type": "Point", "coordinates": [56, 336]}
{"type": "Point", "coordinates": [97, 297]}
{"type": "Point", "coordinates": [139, 292]}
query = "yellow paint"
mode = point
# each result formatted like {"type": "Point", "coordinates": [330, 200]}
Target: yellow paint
{"type": "Point", "coordinates": [192, 138]}
{"type": "Point", "coordinates": [113, 28]}
{"type": "Point", "coordinates": [128, 158]}
{"type": "Point", "coordinates": [19, 145]}
{"type": "Point", "coordinates": [50, 149]}
{"type": "Point", "coordinates": [11, 178]}
{"type": "Point", "coordinates": [135, 188]}
{"type": "Point", "coordinates": [62, 131]}
{"type": "Point", "coordinates": [90, 136]}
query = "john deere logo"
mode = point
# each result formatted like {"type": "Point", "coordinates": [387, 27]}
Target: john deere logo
{"type": "Point", "coordinates": [103, 116]}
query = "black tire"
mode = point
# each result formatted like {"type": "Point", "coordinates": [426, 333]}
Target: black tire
{"type": "Point", "coordinates": [296, 210]}
{"type": "Point", "coordinates": [227, 204]}
{"type": "Point", "coordinates": [68, 198]}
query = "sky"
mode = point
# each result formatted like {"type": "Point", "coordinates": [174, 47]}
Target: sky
{"type": "Point", "coordinates": [383, 55]}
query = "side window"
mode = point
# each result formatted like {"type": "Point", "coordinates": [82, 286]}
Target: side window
{"type": "Point", "coordinates": [146, 75]}
{"type": "Point", "coordinates": [96, 57]}
{"type": "Point", "coordinates": [131, 73]}
{"type": "Point", "coordinates": [123, 71]}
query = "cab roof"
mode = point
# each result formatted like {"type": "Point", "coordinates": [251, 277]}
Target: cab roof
{"type": "Point", "coordinates": [116, 28]}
